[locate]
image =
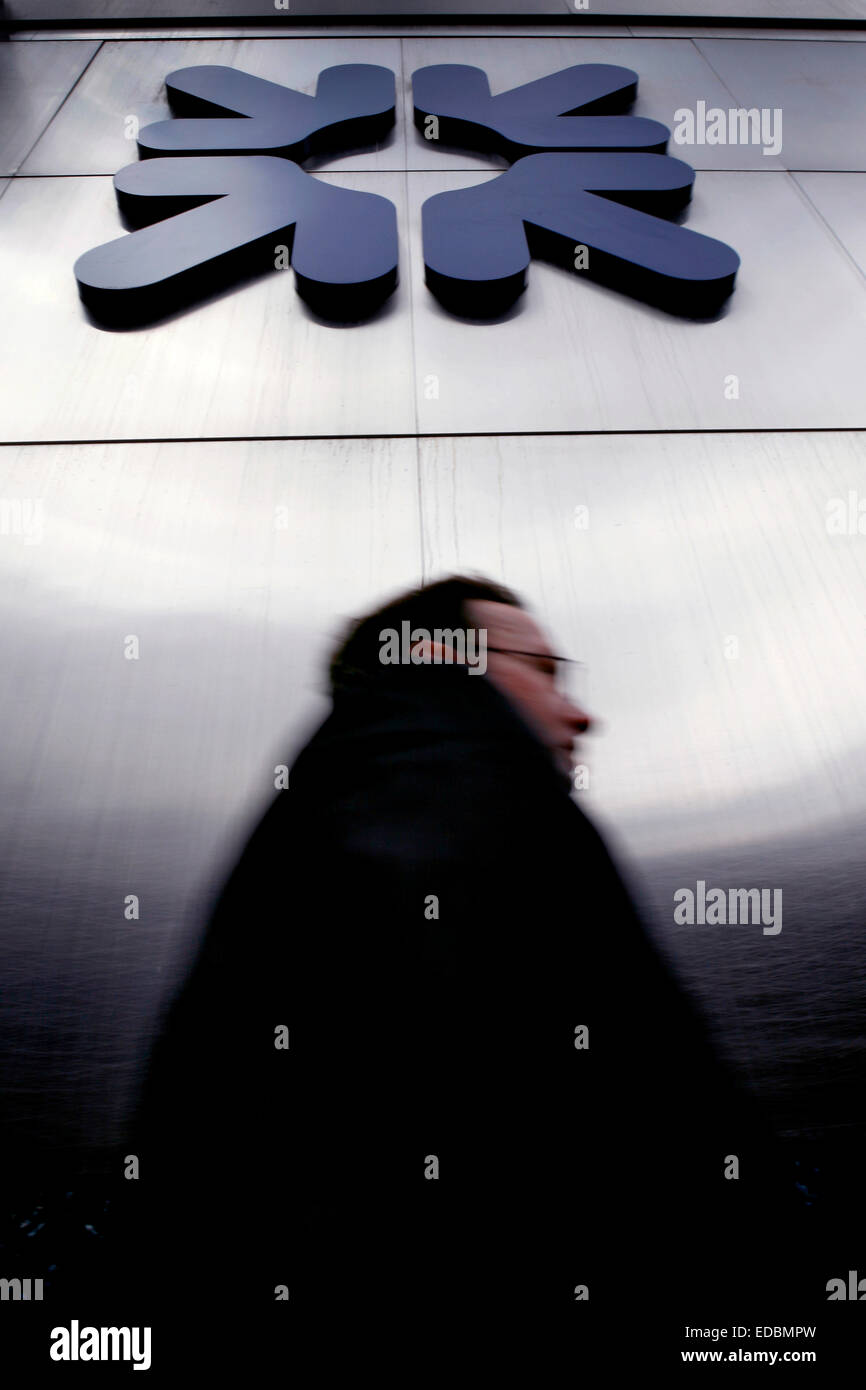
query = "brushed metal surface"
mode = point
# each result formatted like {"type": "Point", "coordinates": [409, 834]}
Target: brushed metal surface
{"type": "Point", "coordinates": [672, 74]}
{"type": "Point", "coordinates": [572, 355]}
{"type": "Point", "coordinates": [89, 134]}
{"type": "Point", "coordinates": [688, 540]}
{"type": "Point", "coordinates": [66, 11]}
{"type": "Point", "coordinates": [681, 29]}
{"type": "Point", "coordinates": [840, 199]}
{"type": "Point", "coordinates": [820, 88]}
{"type": "Point", "coordinates": [252, 361]}
{"type": "Point", "coordinates": [33, 84]}
{"type": "Point", "coordinates": [722, 627]}
{"type": "Point", "coordinates": [672, 29]}
{"type": "Point", "coordinates": [237, 562]}
{"type": "Point", "coordinates": [753, 31]}
{"type": "Point", "coordinates": [127, 79]}
{"type": "Point", "coordinates": [234, 565]}
{"type": "Point", "coordinates": [387, 29]}
{"type": "Point", "coordinates": [761, 11]}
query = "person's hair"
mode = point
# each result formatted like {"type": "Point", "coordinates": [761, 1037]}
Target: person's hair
{"type": "Point", "coordinates": [439, 605]}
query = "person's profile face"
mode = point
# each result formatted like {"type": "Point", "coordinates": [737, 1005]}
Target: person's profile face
{"type": "Point", "coordinates": [521, 664]}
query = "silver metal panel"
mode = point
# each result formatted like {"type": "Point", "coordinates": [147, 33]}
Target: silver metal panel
{"type": "Point", "coordinates": [820, 88]}
{"type": "Point", "coordinates": [252, 361]}
{"type": "Point", "coordinates": [156, 11]}
{"type": "Point", "coordinates": [675, 30]}
{"type": "Point", "coordinates": [681, 30]}
{"type": "Point", "coordinates": [722, 626]}
{"type": "Point", "coordinates": [755, 31]}
{"type": "Point", "coordinates": [33, 84]}
{"type": "Point", "coordinates": [672, 74]}
{"type": "Point", "coordinates": [89, 136]}
{"type": "Point", "coordinates": [572, 355]}
{"type": "Point", "coordinates": [166, 11]}
{"type": "Point", "coordinates": [385, 30]}
{"type": "Point", "coordinates": [841, 201]}
{"type": "Point", "coordinates": [762, 11]}
{"type": "Point", "coordinates": [234, 565]}
{"type": "Point", "coordinates": [688, 540]}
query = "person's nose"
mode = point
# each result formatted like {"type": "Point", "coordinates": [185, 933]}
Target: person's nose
{"type": "Point", "coordinates": [579, 721]}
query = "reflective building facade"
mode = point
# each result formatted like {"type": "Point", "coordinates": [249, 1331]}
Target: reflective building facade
{"type": "Point", "coordinates": [193, 508]}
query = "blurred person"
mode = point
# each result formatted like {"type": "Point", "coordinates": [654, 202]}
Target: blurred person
{"type": "Point", "coordinates": [493, 1093]}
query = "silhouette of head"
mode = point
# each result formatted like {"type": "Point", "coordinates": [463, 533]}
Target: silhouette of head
{"type": "Point", "coordinates": [469, 619]}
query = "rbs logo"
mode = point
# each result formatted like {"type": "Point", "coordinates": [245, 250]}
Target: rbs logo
{"type": "Point", "coordinates": [220, 186]}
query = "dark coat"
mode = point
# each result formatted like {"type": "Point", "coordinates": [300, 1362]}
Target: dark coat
{"type": "Point", "coordinates": [418, 1030]}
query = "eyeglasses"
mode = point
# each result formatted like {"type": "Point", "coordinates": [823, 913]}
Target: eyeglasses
{"type": "Point", "coordinates": [569, 674]}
